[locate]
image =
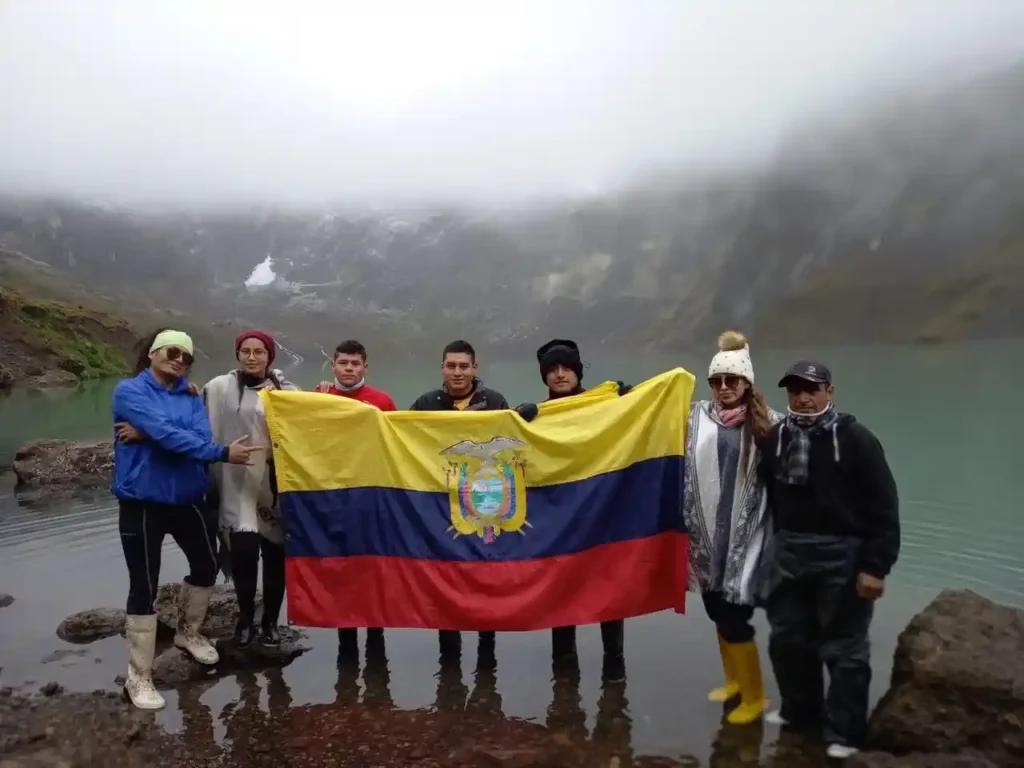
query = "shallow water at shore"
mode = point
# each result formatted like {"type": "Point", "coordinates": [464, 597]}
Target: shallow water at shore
{"type": "Point", "coordinates": [956, 465]}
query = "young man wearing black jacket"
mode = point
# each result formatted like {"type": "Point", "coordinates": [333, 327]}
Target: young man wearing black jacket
{"type": "Point", "coordinates": [461, 391]}
{"type": "Point", "coordinates": [837, 536]}
{"type": "Point", "coordinates": [561, 370]}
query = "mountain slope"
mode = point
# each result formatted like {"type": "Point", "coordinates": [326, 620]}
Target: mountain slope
{"type": "Point", "coordinates": [45, 342]}
{"type": "Point", "coordinates": [904, 226]}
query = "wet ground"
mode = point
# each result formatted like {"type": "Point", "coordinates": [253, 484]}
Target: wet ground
{"type": "Point", "coordinates": [264, 727]}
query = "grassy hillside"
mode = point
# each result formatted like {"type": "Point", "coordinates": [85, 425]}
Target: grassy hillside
{"type": "Point", "coordinates": [46, 342]}
{"type": "Point", "coordinates": [55, 331]}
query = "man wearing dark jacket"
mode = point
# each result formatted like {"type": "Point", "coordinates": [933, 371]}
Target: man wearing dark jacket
{"type": "Point", "coordinates": [561, 370]}
{"type": "Point", "coordinates": [837, 535]}
{"type": "Point", "coordinates": [461, 391]}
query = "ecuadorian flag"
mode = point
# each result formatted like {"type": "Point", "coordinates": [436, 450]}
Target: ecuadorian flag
{"type": "Point", "coordinates": [479, 520]}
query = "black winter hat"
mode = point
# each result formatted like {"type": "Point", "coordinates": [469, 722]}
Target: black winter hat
{"type": "Point", "coordinates": [560, 352]}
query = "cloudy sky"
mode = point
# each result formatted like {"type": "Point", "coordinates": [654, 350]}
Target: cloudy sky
{"type": "Point", "coordinates": [199, 102]}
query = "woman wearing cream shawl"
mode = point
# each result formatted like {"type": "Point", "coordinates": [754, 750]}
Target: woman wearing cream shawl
{"type": "Point", "coordinates": [246, 495]}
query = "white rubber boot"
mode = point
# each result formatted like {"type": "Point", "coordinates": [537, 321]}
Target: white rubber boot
{"type": "Point", "coordinates": [138, 687]}
{"type": "Point", "coordinates": [192, 605]}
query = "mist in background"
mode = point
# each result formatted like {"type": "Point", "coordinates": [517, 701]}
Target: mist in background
{"type": "Point", "coordinates": [217, 103]}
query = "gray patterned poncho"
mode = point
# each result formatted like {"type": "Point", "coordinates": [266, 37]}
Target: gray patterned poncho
{"type": "Point", "coordinates": [738, 571]}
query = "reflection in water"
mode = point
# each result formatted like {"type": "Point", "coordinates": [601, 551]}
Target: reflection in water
{"type": "Point", "coordinates": [485, 698]}
{"type": "Point", "coordinates": [566, 713]}
{"type": "Point", "coordinates": [249, 729]}
{"type": "Point", "coordinates": [737, 746]}
{"type": "Point", "coordinates": [451, 693]}
{"type": "Point", "coordinates": [197, 719]}
{"type": "Point", "coordinates": [614, 726]}
{"type": "Point", "coordinates": [376, 677]}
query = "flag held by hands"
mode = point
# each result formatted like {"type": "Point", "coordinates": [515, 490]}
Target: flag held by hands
{"type": "Point", "coordinates": [482, 521]}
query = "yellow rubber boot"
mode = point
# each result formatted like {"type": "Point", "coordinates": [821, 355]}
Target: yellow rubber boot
{"type": "Point", "coordinates": [732, 683]}
{"type": "Point", "coordinates": [748, 670]}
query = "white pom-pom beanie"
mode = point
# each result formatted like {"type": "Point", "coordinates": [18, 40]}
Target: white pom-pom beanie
{"type": "Point", "coordinates": [733, 362]}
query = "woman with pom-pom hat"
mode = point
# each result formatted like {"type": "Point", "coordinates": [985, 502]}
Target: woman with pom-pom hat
{"type": "Point", "coordinates": [725, 509]}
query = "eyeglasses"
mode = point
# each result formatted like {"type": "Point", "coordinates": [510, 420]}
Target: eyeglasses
{"type": "Point", "coordinates": [173, 354]}
{"type": "Point", "coordinates": [256, 354]}
{"type": "Point", "coordinates": [729, 382]}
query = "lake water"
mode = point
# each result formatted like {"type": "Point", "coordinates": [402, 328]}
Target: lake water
{"type": "Point", "coordinates": [954, 447]}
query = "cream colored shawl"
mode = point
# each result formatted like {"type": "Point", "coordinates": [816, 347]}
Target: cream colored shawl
{"type": "Point", "coordinates": [244, 490]}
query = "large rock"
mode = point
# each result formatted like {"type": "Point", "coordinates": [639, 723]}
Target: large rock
{"type": "Point", "coordinates": [90, 625]}
{"type": "Point", "coordinates": [957, 683]}
{"type": "Point", "coordinates": [63, 466]}
{"type": "Point", "coordinates": [172, 666]}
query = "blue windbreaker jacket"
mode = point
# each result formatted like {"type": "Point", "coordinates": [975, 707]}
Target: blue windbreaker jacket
{"type": "Point", "coordinates": [169, 467]}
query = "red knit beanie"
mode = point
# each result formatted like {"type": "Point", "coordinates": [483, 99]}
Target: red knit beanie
{"type": "Point", "coordinates": [266, 338]}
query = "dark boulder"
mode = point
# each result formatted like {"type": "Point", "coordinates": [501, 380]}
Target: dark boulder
{"type": "Point", "coordinates": [90, 625]}
{"type": "Point", "coordinates": [957, 683]}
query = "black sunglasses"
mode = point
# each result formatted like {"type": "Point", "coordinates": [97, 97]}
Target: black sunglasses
{"type": "Point", "coordinates": [730, 382]}
{"type": "Point", "coordinates": [173, 353]}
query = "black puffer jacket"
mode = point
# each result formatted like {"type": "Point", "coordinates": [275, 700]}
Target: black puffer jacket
{"type": "Point", "coordinates": [482, 399]}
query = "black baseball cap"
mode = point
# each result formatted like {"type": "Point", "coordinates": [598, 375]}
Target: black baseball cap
{"type": "Point", "coordinates": [808, 370]}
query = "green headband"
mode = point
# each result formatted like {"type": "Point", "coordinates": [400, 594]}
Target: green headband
{"type": "Point", "coordinates": [172, 339]}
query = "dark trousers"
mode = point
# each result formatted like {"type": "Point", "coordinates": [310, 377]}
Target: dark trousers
{"type": "Point", "coordinates": [348, 640]}
{"type": "Point", "coordinates": [818, 619]}
{"type": "Point", "coordinates": [450, 641]}
{"type": "Point", "coordinates": [246, 548]}
{"type": "Point", "coordinates": [143, 525]}
{"type": "Point", "coordinates": [563, 639]}
{"type": "Point", "coordinates": [731, 620]}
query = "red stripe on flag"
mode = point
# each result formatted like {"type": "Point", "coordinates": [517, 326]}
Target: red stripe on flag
{"type": "Point", "coordinates": [611, 581]}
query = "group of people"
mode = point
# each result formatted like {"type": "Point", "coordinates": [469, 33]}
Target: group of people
{"type": "Point", "coordinates": [796, 513]}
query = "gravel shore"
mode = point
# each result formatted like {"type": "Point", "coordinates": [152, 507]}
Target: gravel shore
{"type": "Point", "coordinates": [55, 729]}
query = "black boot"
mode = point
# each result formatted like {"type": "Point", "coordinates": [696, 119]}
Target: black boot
{"type": "Point", "coordinates": [348, 645]}
{"type": "Point", "coordinates": [269, 635]}
{"type": "Point", "coordinates": [613, 635]}
{"type": "Point", "coordinates": [563, 645]}
{"type": "Point", "coordinates": [613, 639]}
{"type": "Point", "coordinates": [449, 643]}
{"type": "Point", "coordinates": [245, 633]}
{"type": "Point", "coordinates": [273, 591]}
{"type": "Point", "coordinates": [245, 561]}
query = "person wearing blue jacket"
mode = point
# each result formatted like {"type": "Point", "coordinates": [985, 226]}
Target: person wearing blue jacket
{"type": "Point", "coordinates": [160, 480]}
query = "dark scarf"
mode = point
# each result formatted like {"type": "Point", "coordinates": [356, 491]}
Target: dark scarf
{"type": "Point", "coordinates": [793, 469]}
{"type": "Point", "coordinates": [559, 395]}
{"type": "Point", "coordinates": [248, 380]}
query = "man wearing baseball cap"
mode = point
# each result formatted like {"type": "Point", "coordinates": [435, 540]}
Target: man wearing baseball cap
{"type": "Point", "coordinates": [837, 535]}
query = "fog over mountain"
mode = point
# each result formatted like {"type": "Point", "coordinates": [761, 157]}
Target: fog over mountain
{"type": "Point", "coordinates": [629, 173]}
{"type": "Point", "coordinates": [331, 102]}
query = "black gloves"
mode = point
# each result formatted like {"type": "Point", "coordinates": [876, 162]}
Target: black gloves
{"type": "Point", "coordinates": [624, 389]}
{"type": "Point", "coordinates": [526, 411]}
